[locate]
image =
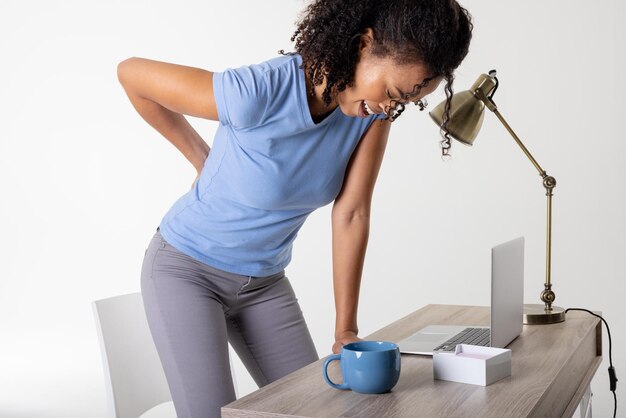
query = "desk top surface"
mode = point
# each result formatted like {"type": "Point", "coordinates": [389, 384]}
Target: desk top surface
{"type": "Point", "coordinates": [551, 366]}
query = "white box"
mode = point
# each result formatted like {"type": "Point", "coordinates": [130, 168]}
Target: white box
{"type": "Point", "coordinates": [473, 364]}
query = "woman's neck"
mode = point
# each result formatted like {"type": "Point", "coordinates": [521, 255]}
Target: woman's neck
{"type": "Point", "coordinates": [319, 110]}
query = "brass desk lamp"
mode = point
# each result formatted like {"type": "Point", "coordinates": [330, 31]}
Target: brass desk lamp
{"type": "Point", "coordinates": [466, 118]}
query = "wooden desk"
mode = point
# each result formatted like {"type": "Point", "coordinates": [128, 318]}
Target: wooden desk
{"type": "Point", "coordinates": [552, 366]}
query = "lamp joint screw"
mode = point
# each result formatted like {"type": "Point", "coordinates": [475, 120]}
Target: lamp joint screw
{"type": "Point", "coordinates": [548, 296]}
{"type": "Point", "coordinates": [549, 182]}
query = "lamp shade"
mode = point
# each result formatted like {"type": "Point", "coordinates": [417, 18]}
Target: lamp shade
{"type": "Point", "coordinates": [467, 111]}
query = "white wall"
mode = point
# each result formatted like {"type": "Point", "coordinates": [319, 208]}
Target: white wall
{"type": "Point", "coordinates": [84, 180]}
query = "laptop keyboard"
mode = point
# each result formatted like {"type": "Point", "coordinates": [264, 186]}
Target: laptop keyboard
{"type": "Point", "coordinates": [471, 336]}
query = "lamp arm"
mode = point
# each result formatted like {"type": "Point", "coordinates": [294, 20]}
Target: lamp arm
{"type": "Point", "coordinates": [492, 106]}
{"type": "Point", "coordinates": [549, 182]}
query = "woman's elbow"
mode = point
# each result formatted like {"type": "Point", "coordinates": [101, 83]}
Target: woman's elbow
{"type": "Point", "coordinates": [122, 69]}
{"type": "Point", "coordinates": [350, 216]}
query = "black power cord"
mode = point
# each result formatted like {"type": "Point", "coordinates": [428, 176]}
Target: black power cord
{"type": "Point", "coordinates": [612, 375]}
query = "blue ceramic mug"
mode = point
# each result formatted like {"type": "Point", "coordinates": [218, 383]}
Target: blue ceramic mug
{"type": "Point", "coordinates": [367, 366]}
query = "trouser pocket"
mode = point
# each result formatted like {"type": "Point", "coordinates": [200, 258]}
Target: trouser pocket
{"type": "Point", "coordinates": [258, 283]}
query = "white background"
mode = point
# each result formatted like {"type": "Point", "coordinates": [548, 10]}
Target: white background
{"type": "Point", "coordinates": [84, 181]}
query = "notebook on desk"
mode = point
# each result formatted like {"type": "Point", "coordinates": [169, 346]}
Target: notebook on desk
{"type": "Point", "coordinates": [507, 305]}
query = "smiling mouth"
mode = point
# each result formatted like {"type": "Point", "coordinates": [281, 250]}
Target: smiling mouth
{"type": "Point", "coordinates": [365, 109]}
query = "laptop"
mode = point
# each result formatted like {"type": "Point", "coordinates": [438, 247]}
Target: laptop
{"type": "Point", "coordinates": [507, 305]}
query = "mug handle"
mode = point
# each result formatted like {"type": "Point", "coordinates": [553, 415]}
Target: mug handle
{"type": "Point", "coordinates": [330, 358]}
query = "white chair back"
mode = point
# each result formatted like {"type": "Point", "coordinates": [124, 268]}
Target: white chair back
{"type": "Point", "coordinates": [134, 378]}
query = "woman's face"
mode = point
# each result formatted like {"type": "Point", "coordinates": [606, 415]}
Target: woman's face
{"type": "Point", "coordinates": [378, 81]}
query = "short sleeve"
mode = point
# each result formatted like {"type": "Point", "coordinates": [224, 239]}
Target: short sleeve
{"type": "Point", "coordinates": [241, 96]}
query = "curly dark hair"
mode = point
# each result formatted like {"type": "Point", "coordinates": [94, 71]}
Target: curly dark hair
{"type": "Point", "coordinates": [435, 33]}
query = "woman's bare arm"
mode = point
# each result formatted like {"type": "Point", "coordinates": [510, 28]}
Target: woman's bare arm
{"type": "Point", "coordinates": [350, 224]}
{"type": "Point", "coordinates": [162, 93]}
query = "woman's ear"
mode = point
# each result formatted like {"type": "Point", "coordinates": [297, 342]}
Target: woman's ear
{"type": "Point", "coordinates": [366, 39]}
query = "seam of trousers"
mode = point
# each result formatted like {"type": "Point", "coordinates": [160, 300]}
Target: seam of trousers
{"type": "Point", "coordinates": [167, 337]}
{"type": "Point", "coordinates": [236, 325]}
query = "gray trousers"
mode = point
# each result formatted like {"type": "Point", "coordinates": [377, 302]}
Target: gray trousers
{"type": "Point", "coordinates": [194, 310]}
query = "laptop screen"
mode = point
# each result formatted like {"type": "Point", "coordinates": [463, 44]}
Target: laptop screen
{"type": "Point", "coordinates": [507, 292]}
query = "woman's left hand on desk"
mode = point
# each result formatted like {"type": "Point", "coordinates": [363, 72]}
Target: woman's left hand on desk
{"type": "Point", "coordinates": [344, 338]}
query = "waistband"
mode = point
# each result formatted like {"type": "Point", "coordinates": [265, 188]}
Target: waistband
{"type": "Point", "coordinates": [221, 272]}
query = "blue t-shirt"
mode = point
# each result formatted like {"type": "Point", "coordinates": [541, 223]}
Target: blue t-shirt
{"type": "Point", "coordinates": [270, 167]}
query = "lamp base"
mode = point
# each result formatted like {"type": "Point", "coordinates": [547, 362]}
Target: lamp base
{"type": "Point", "coordinates": [536, 314]}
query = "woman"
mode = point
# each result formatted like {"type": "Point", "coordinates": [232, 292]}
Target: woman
{"type": "Point", "coordinates": [296, 132]}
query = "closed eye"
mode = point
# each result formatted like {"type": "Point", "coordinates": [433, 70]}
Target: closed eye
{"type": "Point", "coordinates": [403, 97]}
